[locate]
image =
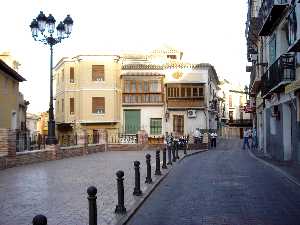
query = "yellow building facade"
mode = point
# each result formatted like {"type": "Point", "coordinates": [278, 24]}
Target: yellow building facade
{"type": "Point", "coordinates": [88, 93]}
{"type": "Point", "coordinates": [9, 96]}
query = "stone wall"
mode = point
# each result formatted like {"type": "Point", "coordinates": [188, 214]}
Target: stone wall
{"type": "Point", "coordinates": [146, 147]}
{"type": "Point", "coordinates": [53, 152]}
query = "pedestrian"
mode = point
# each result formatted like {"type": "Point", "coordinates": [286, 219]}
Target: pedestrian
{"type": "Point", "coordinates": [246, 139]}
{"type": "Point", "coordinates": [213, 137]}
{"type": "Point", "coordinates": [197, 136]}
{"type": "Point", "coordinates": [254, 139]}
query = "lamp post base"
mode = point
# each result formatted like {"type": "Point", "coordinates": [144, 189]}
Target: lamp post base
{"type": "Point", "coordinates": [51, 139]}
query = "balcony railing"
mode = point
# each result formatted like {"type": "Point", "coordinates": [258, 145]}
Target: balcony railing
{"type": "Point", "coordinates": [269, 13]}
{"type": "Point", "coordinates": [281, 72]}
{"type": "Point", "coordinates": [252, 26]}
{"type": "Point", "coordinates": [137, 98]}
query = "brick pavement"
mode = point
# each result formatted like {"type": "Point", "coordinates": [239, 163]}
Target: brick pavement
{"type": "Point", "coordinates": [222, 187]}
{"type": "Point", "coordinates": [57, 189]}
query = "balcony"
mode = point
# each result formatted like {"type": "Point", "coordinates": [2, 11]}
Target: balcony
{"type": "Point", "coordinates": [255, 81]}
{"type": "Point", "coordinates": [185, 103]}
{"type": "Point", "coordinates": [280, 73]}
{"type": "Point", "coordinates": [252, 25]}
{"type": "Point", "coordinates": [270, 12]}
{"type": "Point", "coordinates": [142, 99]}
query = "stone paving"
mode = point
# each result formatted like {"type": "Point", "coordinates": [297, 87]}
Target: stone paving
{"type": "Point", "coordinates": [57, 189]}
{"type": "Point", "coordinates": [222, 187]}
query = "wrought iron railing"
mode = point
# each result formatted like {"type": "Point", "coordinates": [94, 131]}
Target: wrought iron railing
{"type": "Point", "coordinates": [266, 8]}
{"type": "Point", "coordinates": [29, 142]}
{"type": "Point", "coordinates": [281, 71]}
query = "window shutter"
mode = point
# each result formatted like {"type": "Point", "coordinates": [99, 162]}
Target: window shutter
{"type": "Point", "coordinates": [71, 105]}
{"type": "Point", "coordinates": [72, 75]}
{"type": "Point", "coordinates": [97, 72]}
{"type": "Point", "coordinates": [98, 103]}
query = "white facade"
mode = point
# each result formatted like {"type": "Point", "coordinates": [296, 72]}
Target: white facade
{"type": "Point", "coordinates": [147, 113]}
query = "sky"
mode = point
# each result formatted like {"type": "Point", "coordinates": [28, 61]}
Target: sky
{"type": "Point", "coordinates": [206, 31]}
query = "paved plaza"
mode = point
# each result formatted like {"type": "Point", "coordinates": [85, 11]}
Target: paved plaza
{"type": "Point", "coordinates": [57, 189]}
{"type": "Point", "coordinates": [222, 187]}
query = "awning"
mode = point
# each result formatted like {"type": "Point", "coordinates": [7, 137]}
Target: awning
{"type": "Point", "coordinates": [292, 87]}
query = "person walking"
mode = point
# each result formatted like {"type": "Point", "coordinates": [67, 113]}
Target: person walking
{"type": "Point", "coordinates": [213, 137]}
{"type": "Point", "coordinates": [246, 139]}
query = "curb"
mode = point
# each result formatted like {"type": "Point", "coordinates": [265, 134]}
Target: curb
{"type": "Point", "coordinates": [123, 219]}
{"type": "Point", "coordinates": [282, 172]}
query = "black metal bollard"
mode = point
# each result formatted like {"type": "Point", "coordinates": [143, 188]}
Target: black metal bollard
{"type": "Point", "coordinates": [39, 220]}
{"type": "Point", "coordinates": [157, 164]}
{"type": "Point", "coordinates": [164, 165]}
{"type": "Point", "coordinates": [92, 192]}
{"type": "Point", "coordinates": [169, 155]}
{"type": "Point", "coordinates": [185, 147]}
{"type": "Point", "coordinates": [148, 162]}
{"type": "Point", "coordinates": [177, 150]}
{"type": "Point", "coordinates": [120, 208]}
{"type": "Point", "coordinates": [174, 152]}
{"type": "Point", "coordinates": [137, 189]}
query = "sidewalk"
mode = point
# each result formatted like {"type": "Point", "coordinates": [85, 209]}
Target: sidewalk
{"type": "Point", "coordinates": [292, 169]}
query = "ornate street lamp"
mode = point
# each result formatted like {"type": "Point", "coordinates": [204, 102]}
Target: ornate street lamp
{"type": "Point", "coordinates": [42, 29]}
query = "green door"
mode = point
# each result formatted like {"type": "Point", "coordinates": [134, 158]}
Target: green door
{"type": "Point", "coordinates": [132, 121]}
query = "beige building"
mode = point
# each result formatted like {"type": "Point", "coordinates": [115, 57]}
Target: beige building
{"type": "Point", "coordinates": [88, 93]}
{"type": "Point", "coordinates": [10, 101]}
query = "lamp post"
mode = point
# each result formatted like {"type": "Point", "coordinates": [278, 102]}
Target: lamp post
{"type": "Point", "coordinates": [42, 29]}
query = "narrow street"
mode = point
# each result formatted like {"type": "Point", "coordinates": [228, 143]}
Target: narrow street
{"type": "Point", "coordinates": [222, 187]}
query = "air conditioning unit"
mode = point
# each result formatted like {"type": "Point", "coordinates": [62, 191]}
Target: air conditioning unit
{"type": "Point", "coordinates": [191, 113]}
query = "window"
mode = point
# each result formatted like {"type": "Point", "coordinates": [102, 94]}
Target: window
{"type": "Point", "coordinates": [133, 86]}
{"type": "Point", "coordinates": [72, 110]}
{"type": "Point", "coordinates": [155, 86]}
{"type": "Point", "coordinates": [98, 73]}
{"type": "Point", "coordinates": [182, 94]}
{"type": "Point", "coordinates": [178, 124]}
{"type": "Point", "coordinates": [72, 75]}
{"type": "Point", "coordinates": [188, 92]}
{"type": "Point", "coordinates": [140, 87]}
{"type": "Point", "coordinates": [127, 86]}
{"type": "Point", "coordinates": [230, 100]}
{"type": "Point", "coordinates": [155, 126]}
{"type": "Point", "coordinates": [173, 92]}
{"type": "Point", "coordinates": [62, 105]}
{"type": "Point", "coordinates": [200, 91]}
{"type": "Point", "coordinates": [146, 87]}
{"type": "Point", "coordinates": [98, 105]}
{"type": "Point", "coordinates": [195, 92]}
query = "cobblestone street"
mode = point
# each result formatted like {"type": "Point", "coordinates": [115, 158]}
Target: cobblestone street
{"type": "Point", "coordinates": [223, 186]}
{"type": "Point", "coordinates": [57, 189]}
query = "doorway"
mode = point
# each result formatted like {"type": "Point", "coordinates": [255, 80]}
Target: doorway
{"type": "Point", "coordinates": [287, 131]}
